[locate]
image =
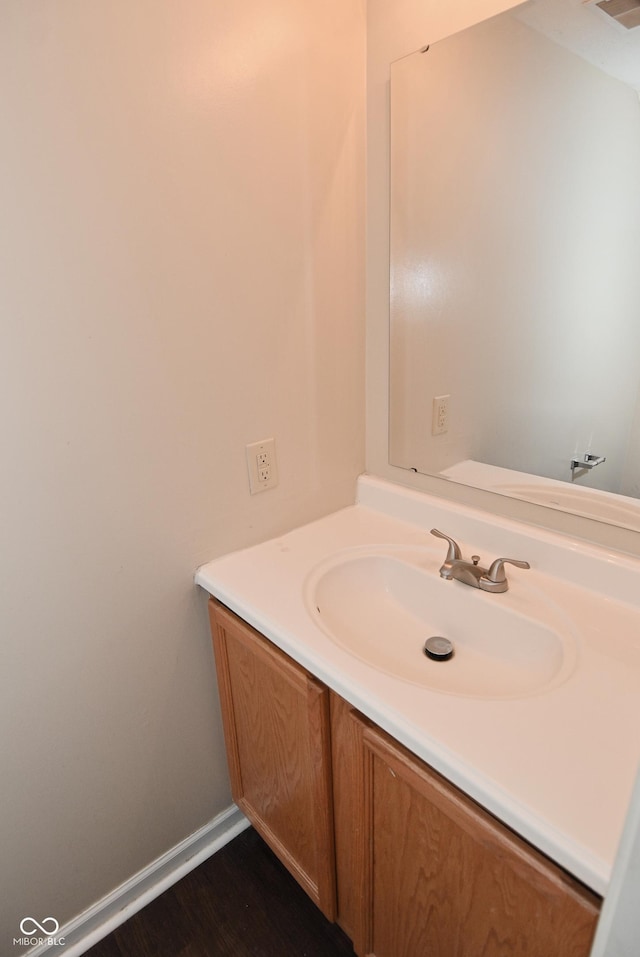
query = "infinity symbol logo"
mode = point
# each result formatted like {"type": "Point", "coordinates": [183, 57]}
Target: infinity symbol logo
{"type": "Point", "coordinates": [29, 925]}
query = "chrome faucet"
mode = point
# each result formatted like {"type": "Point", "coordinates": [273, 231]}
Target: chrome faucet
{"type": "Point", "coordinates": [491, 579]}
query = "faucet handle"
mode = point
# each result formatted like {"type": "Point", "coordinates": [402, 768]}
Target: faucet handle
{"type": "Point", "coordinates": [454, 553]}
{"type": "Point", "coordinates": [496, 570]}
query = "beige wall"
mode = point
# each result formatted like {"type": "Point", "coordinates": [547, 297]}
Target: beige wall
{"type": "Point", "coordinates": [181, 272]}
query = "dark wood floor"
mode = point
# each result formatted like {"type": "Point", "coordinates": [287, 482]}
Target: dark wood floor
{"type": "Point", "coordinates": [240, 903]}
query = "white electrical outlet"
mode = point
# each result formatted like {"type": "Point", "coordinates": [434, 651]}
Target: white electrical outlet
{"type": "Point", "coordinates": [440, 415]}
{"type": "Point", "coordinates": [262, 465]}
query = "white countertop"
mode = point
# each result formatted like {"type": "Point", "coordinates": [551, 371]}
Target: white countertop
{"type": "Point", "coordinates": [558, 766]}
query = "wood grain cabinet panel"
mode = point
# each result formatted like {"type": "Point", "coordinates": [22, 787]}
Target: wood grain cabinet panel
{"type": "Point", "coordinates": [276, 725]}
{"type": "Point", "coordinates": [406, 863]}
{"type": "Point", "coordinates": [440, 877]}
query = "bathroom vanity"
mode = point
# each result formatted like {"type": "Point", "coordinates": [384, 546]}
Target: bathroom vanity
{"type": "Point", "coordinates": [405, 862]}
{"type": "Point", "coordinates": [474, 814]}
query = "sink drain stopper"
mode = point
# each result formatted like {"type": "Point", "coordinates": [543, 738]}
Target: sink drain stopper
{"type": "Point", "coordinates": [438, 648]}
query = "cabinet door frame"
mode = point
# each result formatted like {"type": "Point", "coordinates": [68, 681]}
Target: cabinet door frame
{"type": "Point", "coordinates": [225, 628]}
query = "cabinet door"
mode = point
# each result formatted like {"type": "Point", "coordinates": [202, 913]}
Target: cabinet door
{"type": "Point", "coordinates": [440, 877]}
{"type": "Point", "coordinates": [276, 725]}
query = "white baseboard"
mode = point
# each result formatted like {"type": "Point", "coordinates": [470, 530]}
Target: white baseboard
{"type": "Point", "coordinates": [101, 918]}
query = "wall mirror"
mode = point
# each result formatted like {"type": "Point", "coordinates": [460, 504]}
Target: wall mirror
{"type": "Point", "coordinates": [515, 260]}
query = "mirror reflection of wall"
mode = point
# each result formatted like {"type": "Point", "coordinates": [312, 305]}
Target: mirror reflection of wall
{"type": "Point", "coordinates": [515, 260]}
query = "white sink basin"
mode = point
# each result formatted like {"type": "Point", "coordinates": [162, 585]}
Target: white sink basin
{"type": "Point", "coordinates": [381, 605]}
{"type": "Point", "coordinates": [593, 503]}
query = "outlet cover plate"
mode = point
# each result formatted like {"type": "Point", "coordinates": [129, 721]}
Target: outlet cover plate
{"type": "Point", "coordinates": [262, 465]}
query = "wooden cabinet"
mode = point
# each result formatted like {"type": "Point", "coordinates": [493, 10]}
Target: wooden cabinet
{"type": "Point", "coordinates": [276, 726]}
{"type": "Point", "coordinates": [437, 875]}
{"type": "Point", "coordinates": [407, 864]}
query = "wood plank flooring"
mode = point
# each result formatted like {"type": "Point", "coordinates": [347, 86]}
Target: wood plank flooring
{"type": "Point", "coordinates": [241, 902]}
